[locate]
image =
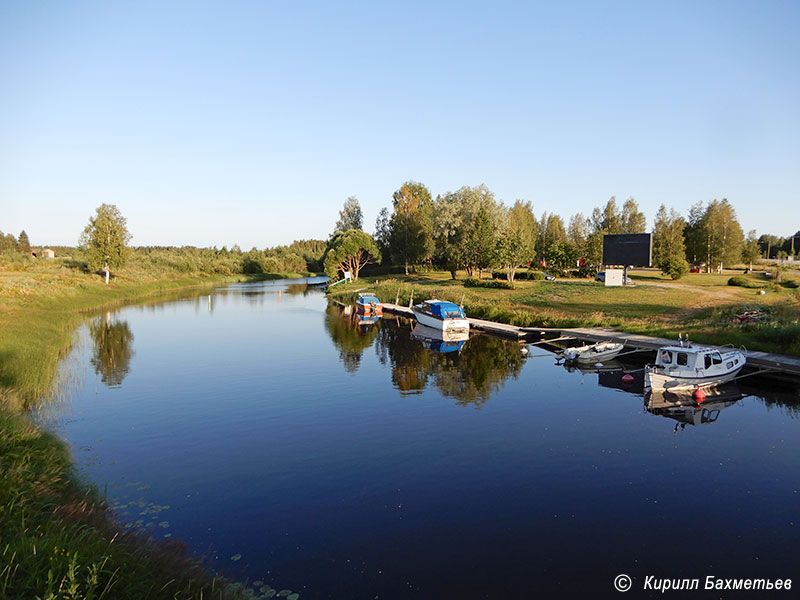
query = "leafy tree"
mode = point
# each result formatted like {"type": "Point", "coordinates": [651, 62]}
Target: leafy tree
{"type": "Point", "coordinates": [751, 251]}
{"type": "Point", "coordinates": [722, 234]}
{"type": "Point", "coordinates": [578, 233]}
{"type": "Point", "coordinates": [23, 243]}
{"type": "Point", "coordinates": [349, 251]}
{"type": "Point", "coordinates": [350, 217]}
{"type": "Point", "coordinates": [516, 244]}
{"type": "Point", "coordinates": [480, 243]}
{"type": "Point", "coordinates": [551, 231]}
{"type": "Point", "coordinates": [632, 219]}
{"type": "Point", "coordinates": [382, 231]}
{"type": "Point", "coordinates": [561, 255]}
{"type": "Point", "coordinates": [8, 243]}
{"type": "Point", "coordinates": [669, 252]}
{"type": "Point", "coordinates": [453, 218]}
{"type": "Point", "coordinates": [693, 233]}
{"type": "Point", "coordinates": [105, 240]}
{"type": "Point", "coordinates": [411, 228]}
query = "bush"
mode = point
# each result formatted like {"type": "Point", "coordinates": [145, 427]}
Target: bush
{"type": "Point", "coordinates": [676, 267]}
{"type": "Point", "coordinates": [739, 280]}
{"type": "Point", "coordinates": [488, 283]}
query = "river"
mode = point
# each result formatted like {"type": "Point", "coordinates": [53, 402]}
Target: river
{"type": "Point", "coordinates": [299, 449]}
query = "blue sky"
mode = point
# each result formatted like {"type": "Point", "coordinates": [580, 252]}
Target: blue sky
{"type": "Point", "coordinates": [252, 122]}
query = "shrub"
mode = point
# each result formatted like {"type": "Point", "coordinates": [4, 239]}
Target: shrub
{"type": "Point", "coordinates": [745, 282]}
{"type": "Point", "coordinates": [488, 283]}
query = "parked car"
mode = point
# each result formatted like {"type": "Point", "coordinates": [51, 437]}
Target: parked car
{"type": "Point", "coordinates": [601, 276]}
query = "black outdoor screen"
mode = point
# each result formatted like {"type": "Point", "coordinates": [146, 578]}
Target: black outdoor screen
{"type": "Point", "coordinates": [628, 249]}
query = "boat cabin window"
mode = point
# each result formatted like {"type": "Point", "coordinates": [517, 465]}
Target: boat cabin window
{"type": "Point", "coordinates": [683, 359]}
{"type": "Point", "coordinates": [716, 358]}
{"type": "Point", "coordinates": [666, 357]}
{"type": "Point", "coordinates": [708, 360]}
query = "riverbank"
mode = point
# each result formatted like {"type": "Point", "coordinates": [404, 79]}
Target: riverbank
{"type": "Point", "coordinates": [60, 540]}
{"type": "Point", "coordinates": [701, 305]}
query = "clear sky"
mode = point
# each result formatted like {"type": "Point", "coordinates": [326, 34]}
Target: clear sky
{"type": "Point", "coordinates": [252, 122]}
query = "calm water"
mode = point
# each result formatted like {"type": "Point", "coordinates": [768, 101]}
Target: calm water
{"type": "Point", "coordinates": [300, 449]}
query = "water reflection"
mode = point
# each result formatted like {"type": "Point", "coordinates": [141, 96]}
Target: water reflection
{"type": "Point", "coordinates": [439, 341]}
{"type": "Point", "coordinates": [684, 409]}
{"type": "Point", "coordinates": [113, 349]}
{"type": "Point", "coordinates": [468, 370]}
{"type": "Point", "coordinates": [350, 336]}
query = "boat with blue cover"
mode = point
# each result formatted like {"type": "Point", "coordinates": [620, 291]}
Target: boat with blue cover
{"type": "Point", "coordinates": [441, 315]}
{"type": "Point", "coordinates": [368, 304]}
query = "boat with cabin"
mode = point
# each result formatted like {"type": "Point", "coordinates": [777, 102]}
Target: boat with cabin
{"type": "Point", "coordinates": [441, 315]}
{"type": "Point", "coordinates": [368, 304]}
{"type": "Point", "coordinates": [685, 366]}
{"type": "Point", "coordinates": [593, 353]}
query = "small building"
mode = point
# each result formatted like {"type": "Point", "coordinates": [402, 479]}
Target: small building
{"type": "Point", "coordinates": [47, 253]}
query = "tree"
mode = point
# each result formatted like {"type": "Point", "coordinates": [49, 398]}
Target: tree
{"type": "Point", "coordinates": [669, 252]}
{"type": "Point", "coordinates": [751, 251]}
{"type": "Point", "coordinates": [722, 234]}
{"type": "Point", "coordinates": [349, 251]}
{"type": "Point", "coordinates": [453, 219]}
{"type": "Point", "coordinates": [516, 244]}
{"type": "Point", "coordinates": [561, 255]}
{"type": "Point", "coordinates": [410, 228]}
{"type": "Point", "coordinates": [632, 219]}
{"type": "Point", "coordinates": [480, 242]}
{"type": "Point", "coordinates": [350, 216]}
{"type": "Point", "coordinates": [382, 231]}
{"type": "Point", "coordinates": [105, 240]}
{"type": "Point", "coordinates": [578, 233]}
{"type": "Point", "coordinates": [23, 243]}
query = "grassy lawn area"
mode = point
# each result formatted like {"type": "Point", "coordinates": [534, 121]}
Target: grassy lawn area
{"type": "Point", "coordinates": [700, 304]}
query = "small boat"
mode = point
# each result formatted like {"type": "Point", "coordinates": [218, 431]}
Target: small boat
{"type": "Point", "coordinates": [593, 353]}
{"type": "Point", "coordinates": [440, 340]}
{"type": "Point", "coordinates": [441, 315]}
{"type": "Point", "coordinates": [686, 367]}
{"type": "Point", "coordinates": [368, 304]}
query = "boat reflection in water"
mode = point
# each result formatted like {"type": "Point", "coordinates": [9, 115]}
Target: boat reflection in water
{"type": "Point", "coordinates": [683, 408]}
{"type": "Point", "coordinates": [439, 340]}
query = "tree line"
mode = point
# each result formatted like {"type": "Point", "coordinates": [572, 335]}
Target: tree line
{"type": "Point", "coordinates": [470, 230]}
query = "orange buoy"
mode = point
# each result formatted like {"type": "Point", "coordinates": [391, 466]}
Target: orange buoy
{"type": "Point", "coordinates": [699, 395]}
{"type": "Point", "coordinates": [627, 378]}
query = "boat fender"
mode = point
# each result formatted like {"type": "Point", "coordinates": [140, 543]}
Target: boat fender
{"type": "Point", "coordinates": [699, 395]}
{"type": "Point", "coordinates": [627, 378]}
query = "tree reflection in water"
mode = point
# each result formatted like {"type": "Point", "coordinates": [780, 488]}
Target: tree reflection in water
{"type": "Point", "coordinates": [350, 334]}
{"type": "Point", "coordinates": [471, 376]}
{"type": "Point", "coordinates": [113, 349]}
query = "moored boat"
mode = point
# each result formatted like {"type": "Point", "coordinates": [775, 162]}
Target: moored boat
{"type": "Point", "coordinates": [687, 367]}
{"type": "Point", "coordinates": [594, 352]}
{"type": "Point", "coordinates": [441, 315]}
{"type": "Point", "coordinates": [367, 304]}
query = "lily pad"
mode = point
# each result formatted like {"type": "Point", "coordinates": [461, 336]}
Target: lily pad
{"type": "Point", "coordinates": [236, 557]}
{"type": "Point", "coordinates": [294, 596]}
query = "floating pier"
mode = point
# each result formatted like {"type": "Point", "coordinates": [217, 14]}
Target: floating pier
{"type": "Point", "coordinates": [762, 361]}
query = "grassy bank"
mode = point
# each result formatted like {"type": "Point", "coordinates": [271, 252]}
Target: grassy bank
{"type": "Point", "coordinates": [703, 305]}
{"type": "Point", "coordinates": [59, 540]}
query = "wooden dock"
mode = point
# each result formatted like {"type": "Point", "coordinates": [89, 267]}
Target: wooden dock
{"type": "Point", "coordinates": [755, 360]}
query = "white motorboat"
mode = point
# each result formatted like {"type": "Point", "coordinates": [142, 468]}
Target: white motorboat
{"type": "Point", "coordinates": [594, 352]}
{"type": "Point", "coordinates": [441, 315]}
{"type": "Point", "coordinates": [688, 367]}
